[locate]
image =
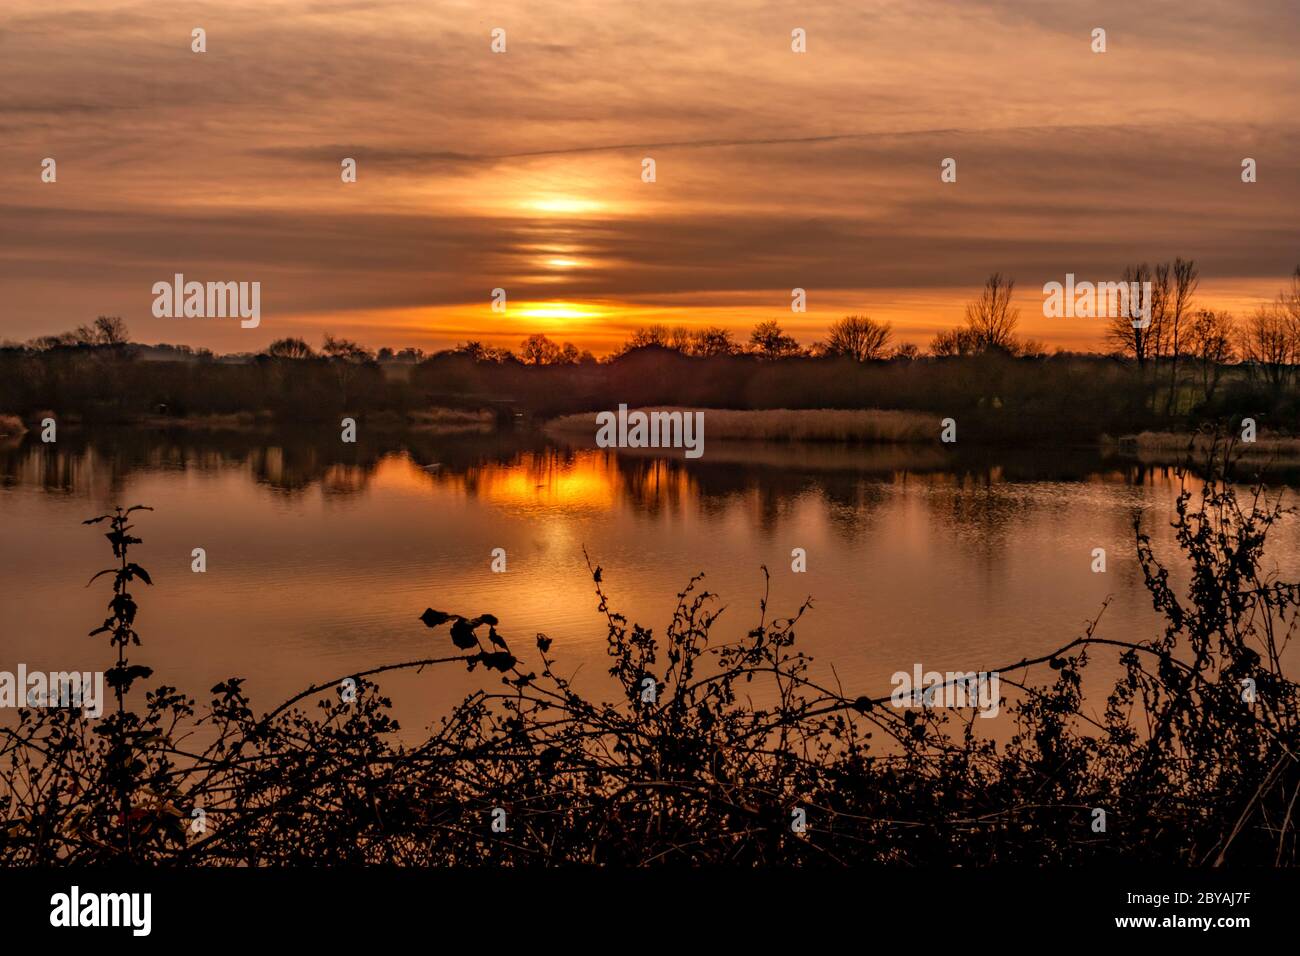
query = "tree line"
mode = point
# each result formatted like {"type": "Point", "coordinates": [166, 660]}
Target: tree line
{"type": "Point", "coordinates": [1188, 365]}
{"type": "Point", "coordinates": [1184, 341]}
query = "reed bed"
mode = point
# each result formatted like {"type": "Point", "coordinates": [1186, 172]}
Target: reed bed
{"type": "Point", "coordinates": [450, 421]}
{"type": "Point", "coordinates": [1271, 447]}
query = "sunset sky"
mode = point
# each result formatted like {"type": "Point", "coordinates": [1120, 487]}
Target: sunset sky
{"type": "Point", "coordinates": [522, 170]}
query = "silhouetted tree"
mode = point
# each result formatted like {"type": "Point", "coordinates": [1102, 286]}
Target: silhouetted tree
{"type": "Point", "coordinates": [953, 342]}
{"type": "Point", "coordinates": [1269, 344]}
{"type": "Point", "coordinates": [991, 319]}
{"type": "Point", "coordinates": [538, 349]}
{"type": "Point", "coordinates": [346, 356]}
{"type": "Point", "coordinates": [1185, 279]}
{"type": "Point", "coordinates": [858, 337]}
{"type": "Point", "coordinates": [290, 348]}
{"type": "Point", "coordinates": [713, 340]}
{"type": "Point", "coordinates": [111, 330]}
{"type": "Point", "coordinates": [770, 341]}
{"type": "Point", "coordinates": [678, 338]}
{"type": "Point", "coordinates": [1138, 342]}
{"type": "Point", "coordinates": [345, 350]}
{"type": "Point", "coordinates": [1209, 339]}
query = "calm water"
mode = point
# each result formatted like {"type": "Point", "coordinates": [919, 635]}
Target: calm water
{"type": "Point", "coordinates": [322, 556]}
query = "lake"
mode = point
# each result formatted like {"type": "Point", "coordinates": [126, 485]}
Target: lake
{"type": "Point", "coordinates": [321, 556]}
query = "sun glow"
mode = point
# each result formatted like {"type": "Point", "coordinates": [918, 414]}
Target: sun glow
{"type": "Point", "coordinates": [556, 310]}
{"type": "Point", "coordinates": [564, 205]}
{"type": "Point", "coordinates": [589, 481]}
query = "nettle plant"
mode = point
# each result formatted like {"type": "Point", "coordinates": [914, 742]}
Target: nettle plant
{"type": "Point", "coordinates": [1191, 762]}
{"type": "Point", "coordinates": [77, 789]}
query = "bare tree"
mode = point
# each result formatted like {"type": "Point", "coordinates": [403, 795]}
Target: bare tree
{"type": "Point", "coordinates": [345, 350]}
{"type": "Point", "coordinates": [858, 337]}
{"type": "Point", "coordinates": [677, 337]}
{"type": "Point", "coordinates": [1133, 335]}
{"type": "Point", "coordinates": [105, 330]}
{"type": "Point", "coordinates": [647, 335]}
{"type": "Point", "coordinates": [1161, 294]}
{"type": "Point", "coordinates": [1210, 341]}
{"type": "Point", "coordinates": [769, 340]}
{"type": "Point", "coordinates": [110, 330]}
{"type": "Point", "coordinates": [713, 340]}
{"type": "Point", "coordinates": [290, 348]}
{"type": "Point", "coordinates": [953, 342]}
{"type": "Point", "coordinates": [991, 319]}
{"type": "Point", "coordinates": [1268, 344]}
{"type": "Point", "coordinates": [346, 357]}
{"type": "Point", "coordinates": [1185, 279]}
{"type": "Point", "coordinates": [538, 349]}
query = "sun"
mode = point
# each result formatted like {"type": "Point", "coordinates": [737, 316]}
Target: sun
{"type": "Point", "coordinates": [556, 311]}
{"type": "Point", "coordinates": [564, 205]}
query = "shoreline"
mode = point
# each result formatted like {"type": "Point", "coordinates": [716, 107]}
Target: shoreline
{"type": "Point", "coordinates": [1166, 446]}
{"type": "Point", "coordinates": [866, 428]}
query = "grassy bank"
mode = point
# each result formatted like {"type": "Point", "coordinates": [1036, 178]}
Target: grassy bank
{"type": "Point", "coordinates": [1180, 446]}
{"type": "Point", "coordinates": [871, 425]}
{"type": "Point", "coordinates": [433, 421]}
{"type": "Point", "coordinates": [452, 421]}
